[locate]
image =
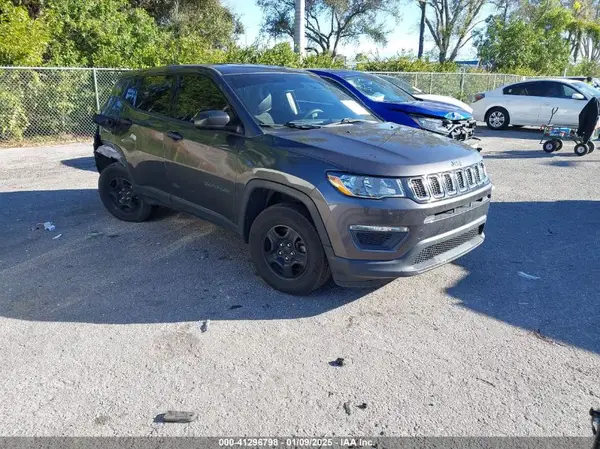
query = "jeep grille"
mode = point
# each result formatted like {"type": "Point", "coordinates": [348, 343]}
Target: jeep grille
{"type": "Point", "coordinates": [443, 185]}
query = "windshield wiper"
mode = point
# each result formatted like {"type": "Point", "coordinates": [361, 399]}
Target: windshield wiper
{"type": "Point", "coordinates": [301, 125]}
{"type": "Point", "coordinates": [347, 120]}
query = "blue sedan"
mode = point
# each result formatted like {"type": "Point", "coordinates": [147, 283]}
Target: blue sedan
{"type": "Point", "coordinates": [395, 105]}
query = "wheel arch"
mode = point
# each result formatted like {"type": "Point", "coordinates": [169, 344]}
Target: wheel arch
{"type": "Point", "coordinates": [260, 194]}
{"type": "Point", "coordinates": [106, 154]}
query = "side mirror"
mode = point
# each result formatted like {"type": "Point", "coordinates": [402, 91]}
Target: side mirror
{"type": "Point", "coordinates": [577, 96]}
{"type": "Point", "coordinates": [212, 119]}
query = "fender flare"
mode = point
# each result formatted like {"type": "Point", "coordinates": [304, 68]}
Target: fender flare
{"type": "Point", "coordinates": [290, 191]}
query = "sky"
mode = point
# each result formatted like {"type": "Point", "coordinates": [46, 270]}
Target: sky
{"type": "Point", "coordinates": [404, 35]}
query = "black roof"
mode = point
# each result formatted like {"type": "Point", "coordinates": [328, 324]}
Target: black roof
{"type": "Point", "coordinates": [236, 69]}
{"type": "Point", "coordinates": [223, 69]}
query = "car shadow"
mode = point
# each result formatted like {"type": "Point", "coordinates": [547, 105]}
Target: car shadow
{"type": "Point", "coordinates": [86, 163]}
{"type": "Point", "coordinates": [94, 268]}
{"type": "Point", "coordinates": [538, 270]}
{"type": "Point", "coordinates": [533, 154]}
{"type": "Point", "coordinates": [510, 133]}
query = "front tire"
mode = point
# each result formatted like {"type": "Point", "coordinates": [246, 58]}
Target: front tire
{"type": "Point", "coordinates": [117, 195]}
{"type": "Point", "coordinates": [497, 119]}
{"type": "Point", "coordinates": [581, 149]}
{"type": "Point", "coordinates": [591, 147]}
{"type": "Point", "coordinates": [287, 251]}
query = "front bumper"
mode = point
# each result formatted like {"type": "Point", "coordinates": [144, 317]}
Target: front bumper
{"type": "Point", "coordinates": [438, 232]}
{"type": "Point", "coordinates": [426, 255]}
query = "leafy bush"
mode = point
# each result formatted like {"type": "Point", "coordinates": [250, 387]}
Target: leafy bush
{"type": "Point", "coordinates": [404, 64]}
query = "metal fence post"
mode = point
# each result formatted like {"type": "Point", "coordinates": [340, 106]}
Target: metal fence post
{"type": "Point", "coordinates": [462, 85]}
{"type": "Point", "coordinates": [96, 90]}
{"type": "Point", "coordinates": [430, 83]}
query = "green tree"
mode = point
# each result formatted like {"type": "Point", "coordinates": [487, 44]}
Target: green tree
{"type": "Point", "coordinates": [107, 33]}
{"type": "Point", "coordinates": [23, 40]}
{"type": "Point", "coordinates": [330, 23]}
{"type": "Point", "coordinates": [451, 23]}
{"type": "Point", "coordinates": [532, 42]}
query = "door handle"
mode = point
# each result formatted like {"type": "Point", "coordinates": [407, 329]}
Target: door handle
{"type": "Point", "coordinates": [174, 135]}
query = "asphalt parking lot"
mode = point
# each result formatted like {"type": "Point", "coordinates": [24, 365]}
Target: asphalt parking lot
{"type": "Point", "coordinates": [100, 328]}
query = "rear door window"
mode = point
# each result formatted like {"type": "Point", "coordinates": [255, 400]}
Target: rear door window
{"type": "Point", "coordinates": [152, 93]}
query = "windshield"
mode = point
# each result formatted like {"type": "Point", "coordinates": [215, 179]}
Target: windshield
{"type": "Point", "coordinates": [284, 98]}
{"type": "Point", "coordinates": [402, 84]}
{"type": "Point", "coordinates": [378, 89]}
{"type": "Point", "coordinates": [586, 89]}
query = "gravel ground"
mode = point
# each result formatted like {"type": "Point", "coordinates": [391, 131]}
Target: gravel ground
{"type": "Point", "coordinates": [101, 328]}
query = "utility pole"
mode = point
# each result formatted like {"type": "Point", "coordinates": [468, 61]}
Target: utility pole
{"type": "Point", "coordinates": [299, 34]}
{"type": "Point", "coordinates": [423, 5]}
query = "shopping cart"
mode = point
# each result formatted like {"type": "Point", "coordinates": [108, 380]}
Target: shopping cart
{"type": "Point", "coordinates": [553, 136]}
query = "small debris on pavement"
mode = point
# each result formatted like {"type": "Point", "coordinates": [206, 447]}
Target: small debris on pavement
{"type": "Point", "coordinates": [49, 226]}
{"type": "Point", "coordinates": [235, 306]}
{"type": "Point", "coordinates": [338, 362]}
{"type": "Point", "coordinates": [94, 234]}
{"type": "Point", "coordinates": [204, 255]}
{"type": "Point", "coordinates": [538, 334]}
{"type": "Point", "coordinates": [347, 408]}
{"type": "Point", "coordinates": [176, 417]}
{"type": "Point", "coordinates": [362, 406]}
{"type": "Point", "coordinates": [531, 277]}
{"type": "Point", "coordinates": [57, 237]}
{"type": "Point", "coordinates": [113, 235]}
{"type": "Point", "coordinates": [204, 326]}
{"type": "Point", "coordinates": [486, 382]}
{"type": "Point", "coordinates": [225, 258]}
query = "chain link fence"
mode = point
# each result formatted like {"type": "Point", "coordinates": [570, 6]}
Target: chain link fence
{"type": "Point", "coordinates": [51, 104]}
{"type": "Point", "coordinates": [44, 105]}
{"type": "Point", "coordinates": [462, 85]}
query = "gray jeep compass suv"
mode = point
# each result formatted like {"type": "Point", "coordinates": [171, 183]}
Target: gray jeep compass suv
{"type": "Point", "coordinates": [315, 183]}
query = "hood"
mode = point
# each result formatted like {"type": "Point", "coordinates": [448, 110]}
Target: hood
{"type": "Point", "coordinates": [381, 149]}
{"type": "Point", "coordinates": [445, 99]}
{"type": "Point", "coordinates": [429, 108]}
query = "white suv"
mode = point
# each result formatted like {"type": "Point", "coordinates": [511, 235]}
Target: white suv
{"type": "Point", "coordinates": [530, 103]}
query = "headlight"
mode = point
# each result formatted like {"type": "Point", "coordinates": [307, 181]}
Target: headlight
{"type": "Point", "coordinates": [366, 186]}
{"type": "Point", "coordinates": [431, 124]}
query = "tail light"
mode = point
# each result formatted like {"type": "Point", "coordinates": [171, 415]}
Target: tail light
{"type": "Point", "coordinates": [478, 97]}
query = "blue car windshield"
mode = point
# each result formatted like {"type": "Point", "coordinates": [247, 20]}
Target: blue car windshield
{"type": "Point", "coordinates": [281, 98]}
{"type": "Point", "coordinates": [378, 89]}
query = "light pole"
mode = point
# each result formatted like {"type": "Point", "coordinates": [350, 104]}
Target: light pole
{"type": "Point", "coordinates": [299, 35]}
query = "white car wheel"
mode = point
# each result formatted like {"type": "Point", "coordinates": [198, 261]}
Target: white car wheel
{"type": "Point", "coordinates": [497, 119]}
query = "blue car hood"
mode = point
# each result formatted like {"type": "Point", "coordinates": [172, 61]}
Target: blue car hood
{"type": "Point", "coordinates": [429, 108]}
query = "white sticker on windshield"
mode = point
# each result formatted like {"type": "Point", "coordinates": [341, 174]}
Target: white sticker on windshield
{"type": "Point", "coordinates": [355, 107]}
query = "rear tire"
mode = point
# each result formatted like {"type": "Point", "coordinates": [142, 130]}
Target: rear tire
{"type": "Point", "coordinates": [117, 195]}
{"type": "Point", "coordinates": [283, 232]}
{"type": "Point", "coordinates": [559, 144]}
{"type": "Point", "coordinates": [497, 118]}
